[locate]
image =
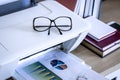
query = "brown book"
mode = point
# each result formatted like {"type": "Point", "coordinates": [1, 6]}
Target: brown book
{"type": "Point", "coordinates": [70, 4]}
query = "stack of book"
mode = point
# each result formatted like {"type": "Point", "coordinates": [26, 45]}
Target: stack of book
{"type": "Point", "coordinates": [102, 38]}
{"type": "Point", "coordinates": [83, 8]}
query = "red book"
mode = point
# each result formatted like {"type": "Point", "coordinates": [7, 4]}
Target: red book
{"type": "Point", "coordinates": [70, 4]}
{"type": "Point", "coordinates": [101, 53]}
{"type": "Point", "coordinates": [106, 43]}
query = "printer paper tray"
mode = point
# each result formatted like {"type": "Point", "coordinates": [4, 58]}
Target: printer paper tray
{"type": "Point", "coordinates": [56, 65]}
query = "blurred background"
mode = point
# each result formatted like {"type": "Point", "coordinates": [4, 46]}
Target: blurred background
{"type": "Point", "coordinates": [110, 11]}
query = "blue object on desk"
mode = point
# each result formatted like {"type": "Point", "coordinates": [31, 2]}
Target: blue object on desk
{"type": "Point", "coordinates": [15, 6]}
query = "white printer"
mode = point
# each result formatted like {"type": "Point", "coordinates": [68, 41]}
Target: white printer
{"type": "Point", "coordinates": [21, 46]}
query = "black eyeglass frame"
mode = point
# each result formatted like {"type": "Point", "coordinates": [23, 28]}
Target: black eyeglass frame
{"type": "Point", "coordinates": [50, 26]}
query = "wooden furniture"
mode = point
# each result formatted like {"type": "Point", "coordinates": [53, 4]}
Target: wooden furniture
{"type": "Point", "coordinates": [109, 66]}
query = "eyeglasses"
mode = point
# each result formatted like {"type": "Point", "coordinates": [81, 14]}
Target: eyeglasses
{"type": "Point", "coordinates": [62, 23]}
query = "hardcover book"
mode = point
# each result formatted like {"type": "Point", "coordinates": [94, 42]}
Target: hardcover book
{"type": "Point", "coordinates": [105, 43]}
{"type": "Point", "coordinates": [99, 30]}
{"type": "Point", "coordinates": [100, 52]}
{"type": "Point", "coordinates": [105, 46]}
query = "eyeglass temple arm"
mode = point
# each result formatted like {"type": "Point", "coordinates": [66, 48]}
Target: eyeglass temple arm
{"type": "Point", "coordinates": [58, 29]}
{"type": "Point", "coordinates": [49, 30]}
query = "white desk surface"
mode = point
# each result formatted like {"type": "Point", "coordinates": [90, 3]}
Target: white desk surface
{"type": "Point", "coordinates": [18, 36]}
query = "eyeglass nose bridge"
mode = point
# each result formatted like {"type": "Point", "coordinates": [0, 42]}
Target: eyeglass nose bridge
{"type": "Point", "coordinates": [52, 20]}
{"type": "Point", "coordinates": [53, 24]}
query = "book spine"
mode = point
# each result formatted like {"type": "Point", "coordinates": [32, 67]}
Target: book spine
{"type": "Point", "coordinates": [76, 9]}
{"type": "Point", "coordinates": [87, 6]}
{"type": "Point", "coordinates": [96, 9]}
{"type": "Point", "coordinates": [91, 8]}
{"type": "Point", "coordinates": [82, 7]}
{"type": "Point", "coordinates": [92, 48]}
{"type": "Point", "coordinates": [107, 49]}
{"type": "Point", "coordinates": [98, 51]}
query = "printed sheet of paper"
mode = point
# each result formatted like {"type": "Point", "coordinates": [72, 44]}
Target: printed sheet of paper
{"type": "Point", "coordinates": [56, 65]}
